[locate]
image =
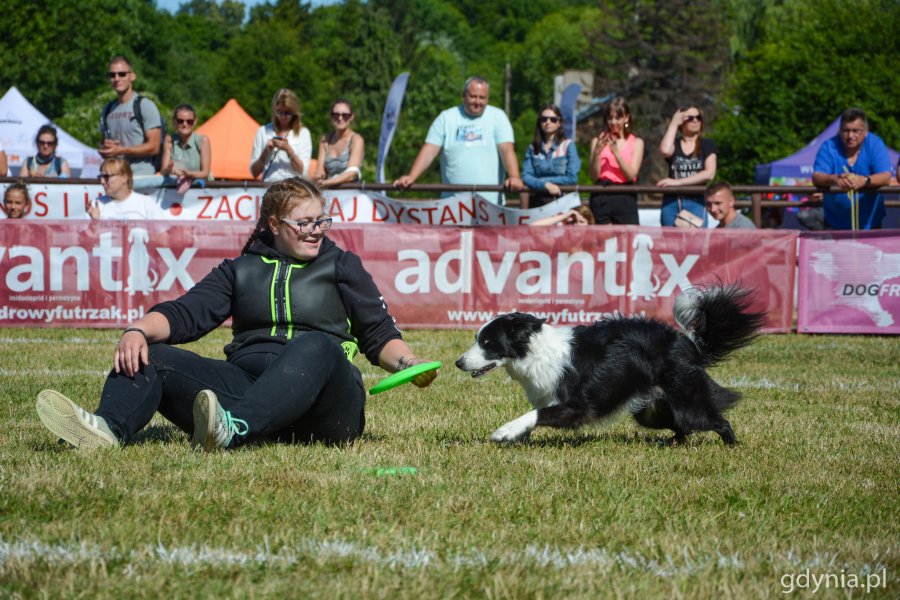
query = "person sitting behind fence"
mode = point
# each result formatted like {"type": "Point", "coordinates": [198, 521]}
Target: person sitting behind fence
{"type": "Point", "coordinates": [341, 151]}
{"type": "Point", "coordinates": [550, 161]}
{"type": "Point", "coordinates": [187, 154]}
{"type": "Point", "coordinates": [282, 148]}
{"type": "Point", "coordinates": [580, 215]}
{"type": "Point", "coordinates": [120, 200]}
{"type": "Point", "coordinates": [720, 205]}
{"type": "Point", "coordinates": [288, 374]}
{"type": "Point", "coordinates": [16, 201]}
{"type": "Point", "coordinates": [45, 163]}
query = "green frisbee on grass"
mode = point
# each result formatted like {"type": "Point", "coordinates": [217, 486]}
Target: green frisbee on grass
{"type": "Point", "coordinates": [404, 376]}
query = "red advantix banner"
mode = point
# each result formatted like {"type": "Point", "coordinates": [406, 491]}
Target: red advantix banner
{"type": "Point", "coordinates": [105, 274]}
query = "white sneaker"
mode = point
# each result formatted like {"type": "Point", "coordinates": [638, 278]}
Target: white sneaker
{"type": "Point", "coordinates": [67, 420]}
{"type": "Point", "coordinates": [214, 427]}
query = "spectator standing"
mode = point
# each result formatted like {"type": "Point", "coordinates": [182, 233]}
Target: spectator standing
{"type": "Point", "coordinates": [187, 154]}
{"type": "Point", "coordinates": [341, 151]}
{"type": "Point", "coordinates": [45, 163]}
{"type": "Point", "coordinates": [616, 156]}
{"type": "Point", "coordinates": [720, 204]}
{"type": "Point", "coordinates": [131, 126]}
{"type": "Point", "coordinates": [692, 161]}
{"type": "Point", "coordinates": [16, 201]}
{"type": "Point", "coordinates": [289, 374]}
{"type": "Point", "coordinates": [282, 148]}
{"type": "Point", "coordinates": [550, 161]}
{"type": "Point", "coordinates": [120, 200]}
{"type": "Point", "coordinates": [472, 140]}
{"type": "Point", "coordinates": [852, 160]}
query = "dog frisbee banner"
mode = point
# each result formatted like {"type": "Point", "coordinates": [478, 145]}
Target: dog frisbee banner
{"type": "Point", "coordinates": [106, 274]}
{"type": "Point", "coordinates": [849, 282]}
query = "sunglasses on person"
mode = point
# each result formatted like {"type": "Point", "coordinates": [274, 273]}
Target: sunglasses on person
{"type": "Point", "coordinates": [283, 114]}
{"type": "Point", "coordinates": [549, 119]}
{"type": "Point", "coordinates": [338, 116]}
{"type": "Point", "coordinates": [119, 74]}
{"type": "Point", "coordinates": [307, 227]}
{"type": "Point", "coordinates": [46, 142]}
{"type": "Point", "coordinates": [698, 118]}
{"type": "Point", "coordinates": [184, 121]}
{"type": "Point", "coordinates": [106, 176]}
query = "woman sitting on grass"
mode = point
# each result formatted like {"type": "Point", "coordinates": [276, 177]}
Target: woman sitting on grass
{"type": "Point", "coordinates": [301, 309]}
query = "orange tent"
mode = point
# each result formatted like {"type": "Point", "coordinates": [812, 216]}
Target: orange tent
{"type": "Point", "coordinates": [231, 132]}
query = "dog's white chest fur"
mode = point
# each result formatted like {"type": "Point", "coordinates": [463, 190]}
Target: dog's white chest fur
{"type": "Point", "coordinates": [540, 371]}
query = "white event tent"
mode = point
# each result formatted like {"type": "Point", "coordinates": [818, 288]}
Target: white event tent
{"type": "Point", "coordinates": [19, 124]}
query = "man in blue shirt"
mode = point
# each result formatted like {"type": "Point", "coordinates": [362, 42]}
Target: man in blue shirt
{"type": "Point", "coordinates": [852, 160]}
{"type": "Point", "coordinates": [472, 139]}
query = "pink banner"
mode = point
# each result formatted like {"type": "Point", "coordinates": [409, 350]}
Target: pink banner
{"type": "Point", "coordinates": [849, 282]}
{"type": "Point", "coordinates": [59, 273]}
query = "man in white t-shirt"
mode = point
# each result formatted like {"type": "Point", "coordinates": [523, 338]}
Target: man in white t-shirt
{"type": "Point", "coordinates": [472, 139]}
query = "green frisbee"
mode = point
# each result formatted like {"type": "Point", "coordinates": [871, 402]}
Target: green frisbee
{"type": "Point", "coordinates": [404, 376]}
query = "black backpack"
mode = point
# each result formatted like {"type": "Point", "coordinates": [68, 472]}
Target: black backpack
{"type": "Point", "coordinates": [139, 117]}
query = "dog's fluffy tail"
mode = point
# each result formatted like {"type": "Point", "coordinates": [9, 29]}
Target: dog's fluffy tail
{"type": "Point", "coordinates": [717, 318]}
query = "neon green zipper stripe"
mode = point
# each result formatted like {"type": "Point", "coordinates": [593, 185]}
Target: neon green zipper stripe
{"type": "Point", "coordinates": [272, 293]}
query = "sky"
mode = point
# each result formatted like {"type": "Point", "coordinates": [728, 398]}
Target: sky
{"type": "Point", "coordinates": [172, 5]}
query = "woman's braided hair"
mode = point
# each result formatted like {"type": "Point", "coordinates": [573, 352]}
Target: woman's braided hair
{"type": "Point", "coordinates": [279, 200]}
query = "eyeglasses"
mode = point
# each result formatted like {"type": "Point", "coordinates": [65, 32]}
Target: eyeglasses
{"type": "Point", "coordinates": [307, 227]}
{"type": "Point", "coordinates": [337, 116]}
{"type": "Point", "coordinates": [106, 176]}
{"type": "Point", "coordinates": [549, 119]}
{"type": "Point", "coordinates": [46, 142]}
{"type": "Point", "coordinates": [281, 114]}
{"type": "Point", "coordinates": [689, 118]}
{"type": "Point", "coordinates": [184, 121]}
{"type": "Point", "coordinates": [119, 74]}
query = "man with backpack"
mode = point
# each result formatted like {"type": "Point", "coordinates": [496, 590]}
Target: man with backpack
{"type": "Point", "coordinates": [131, 126]}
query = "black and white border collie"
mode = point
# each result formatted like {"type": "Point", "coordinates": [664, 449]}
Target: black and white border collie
{"type": "Point", "coordinates": [575, 376]}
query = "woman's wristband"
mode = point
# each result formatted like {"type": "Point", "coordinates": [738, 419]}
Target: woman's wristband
{"type": "Point", "coordinates": [138, 329]}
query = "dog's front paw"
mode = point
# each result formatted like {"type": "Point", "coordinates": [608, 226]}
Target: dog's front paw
{"type": "Point", "coordinates": [506, 436]}
{"type": "Point", "coordinates": [517, 430]}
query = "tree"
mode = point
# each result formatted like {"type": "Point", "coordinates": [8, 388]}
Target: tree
{"type": "Point", "coordinates": [55, 50]}
{"type": "Point", "coordinates": [814, 59]}
{"type": "Point", "coordinates": [659, 56]}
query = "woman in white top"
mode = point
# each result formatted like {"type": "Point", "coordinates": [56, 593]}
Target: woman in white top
{"type": "Point", "coordinates": [121, 201]}
{"type": "Point", "coordinates": [282, 148]}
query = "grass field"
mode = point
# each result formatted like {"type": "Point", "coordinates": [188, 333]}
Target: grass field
{"type": "Point", "coordinates": [424, 506]}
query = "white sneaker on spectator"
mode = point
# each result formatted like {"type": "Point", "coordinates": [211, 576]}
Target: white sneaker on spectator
{"type": "Point", "coordinates": [214, 427]}
{"type": "Point", "coordinates": [68, 421]}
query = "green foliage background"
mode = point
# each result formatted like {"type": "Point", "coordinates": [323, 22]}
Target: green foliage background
{"type": "Point", "coordinates": [771, 74]}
